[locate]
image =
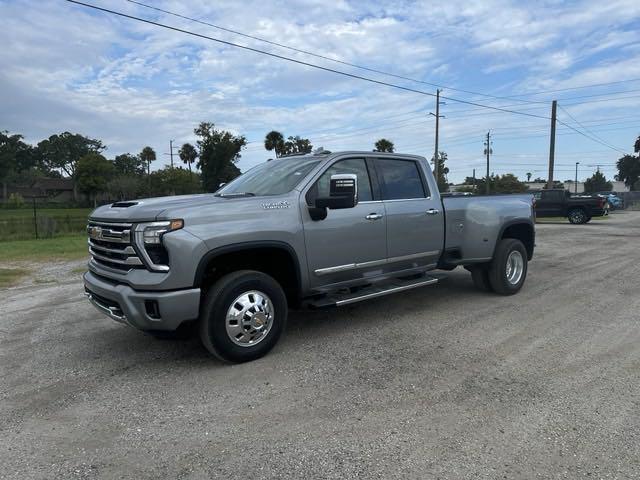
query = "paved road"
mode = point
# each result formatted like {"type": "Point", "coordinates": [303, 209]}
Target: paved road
{"type": "Point", "coordinates": [442, 382]}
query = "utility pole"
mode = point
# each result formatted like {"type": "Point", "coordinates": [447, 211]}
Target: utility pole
{"type": "Point", "coordinates": [436, 163]}
{"type": "Point", "coordinates": [171, 147]}
{"type": "Point", "coordinates": [575, 189]}
{"type": "Point", "coordinates": [488, 151]}
{"type": "Point", "coordinates": [552, 143]}
{"type": "Point", "coordinates": [474, 180]}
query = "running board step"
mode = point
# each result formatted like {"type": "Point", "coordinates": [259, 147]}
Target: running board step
{"type": "Point", "coordinates": [393, 286]}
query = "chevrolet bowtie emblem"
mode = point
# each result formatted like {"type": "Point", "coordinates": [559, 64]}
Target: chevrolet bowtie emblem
{"type": "Point", "coordinates": [95, 232]}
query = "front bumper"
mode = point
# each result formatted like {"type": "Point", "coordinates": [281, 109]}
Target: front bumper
{"type": "Point", "coordinates": [144, 310]}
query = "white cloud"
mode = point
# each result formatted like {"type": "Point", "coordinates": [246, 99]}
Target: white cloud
{"type": "Point", "coordinates": [132, 84]}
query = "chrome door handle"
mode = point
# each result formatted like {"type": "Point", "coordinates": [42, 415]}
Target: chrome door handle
{"type": "Point", "coordinates": [373, 216]}
{"type": "Point", "coordinates": [433, 211]}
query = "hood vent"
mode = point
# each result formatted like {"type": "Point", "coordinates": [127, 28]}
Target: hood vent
{"type": "Point", "coordinates": [123, 204]}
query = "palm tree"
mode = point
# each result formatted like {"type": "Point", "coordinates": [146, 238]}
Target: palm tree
{"type": "Point", "coordinates": [188, 154]}
{"type": "Point", "coordinates": [147, 155]}
{"type": "Point", "coordinates": [528, 176]}
{"type": "Point", "coordinates": [384, 145]}
{"type": "Point", "coordinates": [274, 140]}
{"type": "Point", "coordinates": [636, 146]}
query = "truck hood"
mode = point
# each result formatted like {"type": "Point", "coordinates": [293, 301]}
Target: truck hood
{"type": "Point", "coordinates": [149, 209]}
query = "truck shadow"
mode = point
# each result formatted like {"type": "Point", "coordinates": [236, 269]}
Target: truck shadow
{"type": "Point", "coordinates": [304, 326]}
{"type": "Point", "coordinates": [378, 311]}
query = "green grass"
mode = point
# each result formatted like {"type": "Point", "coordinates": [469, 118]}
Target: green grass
{"type": "Point", "coordinates": [564, 219]}
{"type": "Point", "coordinates": [58, 248]}
{"type": "Point", "coordinates": [6, 213]}
{"type": "Point", "coordinates": [18, 224]}
{"type": "Point", "coordinates": [11, 276]}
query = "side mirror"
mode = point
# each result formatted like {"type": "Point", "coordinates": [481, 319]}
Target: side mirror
{"type": "Point", "coordinates": [343, 192]}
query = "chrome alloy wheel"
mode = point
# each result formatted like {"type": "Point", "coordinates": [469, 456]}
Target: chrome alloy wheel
{"type": "Point", "coordinates": [515, 267]}
{"type": "Point", "coordinates": [249, 318]}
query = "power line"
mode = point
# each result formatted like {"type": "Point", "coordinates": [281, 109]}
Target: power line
{"type": "Point", "coordinates": [301, 62]}
{"type": "Point", "coordinates": [592, 138]}
{"type": "Point", "coordinates": [589, 131]}
{"type": "Point", "coordinates": [519, 137]}
{"type": "Point", "coordinates": [603, 100]}
{"type": "Point", "coordinates": [382, 72]}
{"type": "Point", "coordinates": [317, 55]}
{"type": "Point", "coordinates": [593, 85]}
{"type": "Point", "coordinates": [453, 112]}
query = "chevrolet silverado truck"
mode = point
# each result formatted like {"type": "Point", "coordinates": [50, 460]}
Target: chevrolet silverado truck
{"type": "Point", "coordinates": [308, 231]}
{"type": "Point", "coordinates": [560, 203]}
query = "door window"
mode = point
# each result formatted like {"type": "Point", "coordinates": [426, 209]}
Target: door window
{"type": "Point", "coordinates": [553, 196]}
{"type": "Point", "coordinates": [356, 166]}
{"type": "Point", "coordinates": [401, 179]}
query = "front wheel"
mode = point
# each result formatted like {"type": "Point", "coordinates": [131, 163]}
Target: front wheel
{"type": "Point", "coordinates": [577, 216]}
{"type": "Point", "coordinates": [508, 268]}
{"type": "Point", "coordinates": [242, 316]}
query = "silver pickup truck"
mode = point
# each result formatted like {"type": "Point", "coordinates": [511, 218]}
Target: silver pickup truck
{"type": "Point", "coordinates": [307, 231]}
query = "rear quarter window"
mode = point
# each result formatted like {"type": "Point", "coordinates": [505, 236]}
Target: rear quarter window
{"type": "Point", "coordinates": [401, 179]}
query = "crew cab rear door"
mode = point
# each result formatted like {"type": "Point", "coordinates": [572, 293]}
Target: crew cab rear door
{"type": "Point", "coordinates": [349, 243]}
{"type": "Point", "coordinates": [415, 220]}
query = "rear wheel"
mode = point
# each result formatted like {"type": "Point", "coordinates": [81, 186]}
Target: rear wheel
{"type": "Point", "coordinates": [508, 268]}
{"type": "Point", "coordinates": [577, 216]}
{"type": "Point", "coordinates": [242, 316]}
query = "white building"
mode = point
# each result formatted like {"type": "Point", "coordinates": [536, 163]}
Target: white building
{"type": "Point", "coordinates": [579, 188]}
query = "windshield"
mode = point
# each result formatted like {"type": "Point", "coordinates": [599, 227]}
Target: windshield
{"type": "Point", "coordinates": [271, 178]}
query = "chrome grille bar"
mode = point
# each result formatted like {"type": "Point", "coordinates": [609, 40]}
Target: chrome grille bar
{"type": "Point", "coordinates": [125, 251]}
{"type": "Point", "coordinates": [127, 261]}
{"type": "Point", "coordinates": [110, 244]}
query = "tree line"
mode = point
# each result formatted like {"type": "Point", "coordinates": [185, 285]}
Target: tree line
{"type": "Point", "coordinates": [215, 155]}
{"type": "Point", "coordinates": [82, 160]}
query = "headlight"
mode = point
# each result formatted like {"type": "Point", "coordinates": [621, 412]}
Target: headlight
{"type": "Point", "coordinates": [148, 238]}
{"type": "Point", "coordinates": [152, 232]}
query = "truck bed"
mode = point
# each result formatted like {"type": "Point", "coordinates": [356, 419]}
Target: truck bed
{"type": "Point", "coordinates": [470, 219]}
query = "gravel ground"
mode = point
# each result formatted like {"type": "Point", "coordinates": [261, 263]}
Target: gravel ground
{"type": "Point", "coordinates": [440, 382]}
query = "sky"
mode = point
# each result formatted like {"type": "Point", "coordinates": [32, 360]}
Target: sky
{"type": "Point", "coordinates": [65, 67]}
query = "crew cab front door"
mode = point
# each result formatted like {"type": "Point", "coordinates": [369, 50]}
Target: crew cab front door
{"type": "Point", "coordinates": [415, 217]}
{"type": "Point", "coordinates": [551, 203]}
{"type": "Point", "coordinates": [349, 243]}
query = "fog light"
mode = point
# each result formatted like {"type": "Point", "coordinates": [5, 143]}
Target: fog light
{"type": "Point", "coordinates": [152, 308]}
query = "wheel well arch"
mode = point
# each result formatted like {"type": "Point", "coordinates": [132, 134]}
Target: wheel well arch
{"type": "Point", "coordinates": [577, 207]}
{"type": "Point", "coordinates": [276, 259]}
{"type": "Point", "coordinates": [523, 231]}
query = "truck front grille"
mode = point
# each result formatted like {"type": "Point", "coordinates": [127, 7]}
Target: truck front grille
{"type": "Point", "coordinates": [111, 245]}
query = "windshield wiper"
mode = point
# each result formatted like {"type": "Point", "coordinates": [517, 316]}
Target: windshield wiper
{"type": "Point", "coordinates": [232, 195]}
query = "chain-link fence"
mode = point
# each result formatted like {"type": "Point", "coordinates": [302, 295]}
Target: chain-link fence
{"type": "Point", "coordinates": [24, 224]}
{"type": "Point", "coordinates": [631, 200]}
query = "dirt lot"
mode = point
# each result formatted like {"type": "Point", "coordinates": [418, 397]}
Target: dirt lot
{"type": "Point", "coordinates": [441, 382]}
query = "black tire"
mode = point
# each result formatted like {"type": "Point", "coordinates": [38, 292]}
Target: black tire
{"type": "Point", "coordinates": [480, 277]}
{"type": "Point", "coordinates": [577, 216]}
{"type": "Point", "coordinates": [217, 302]}
{"type": "Point", "coordinates": [498, 277]}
